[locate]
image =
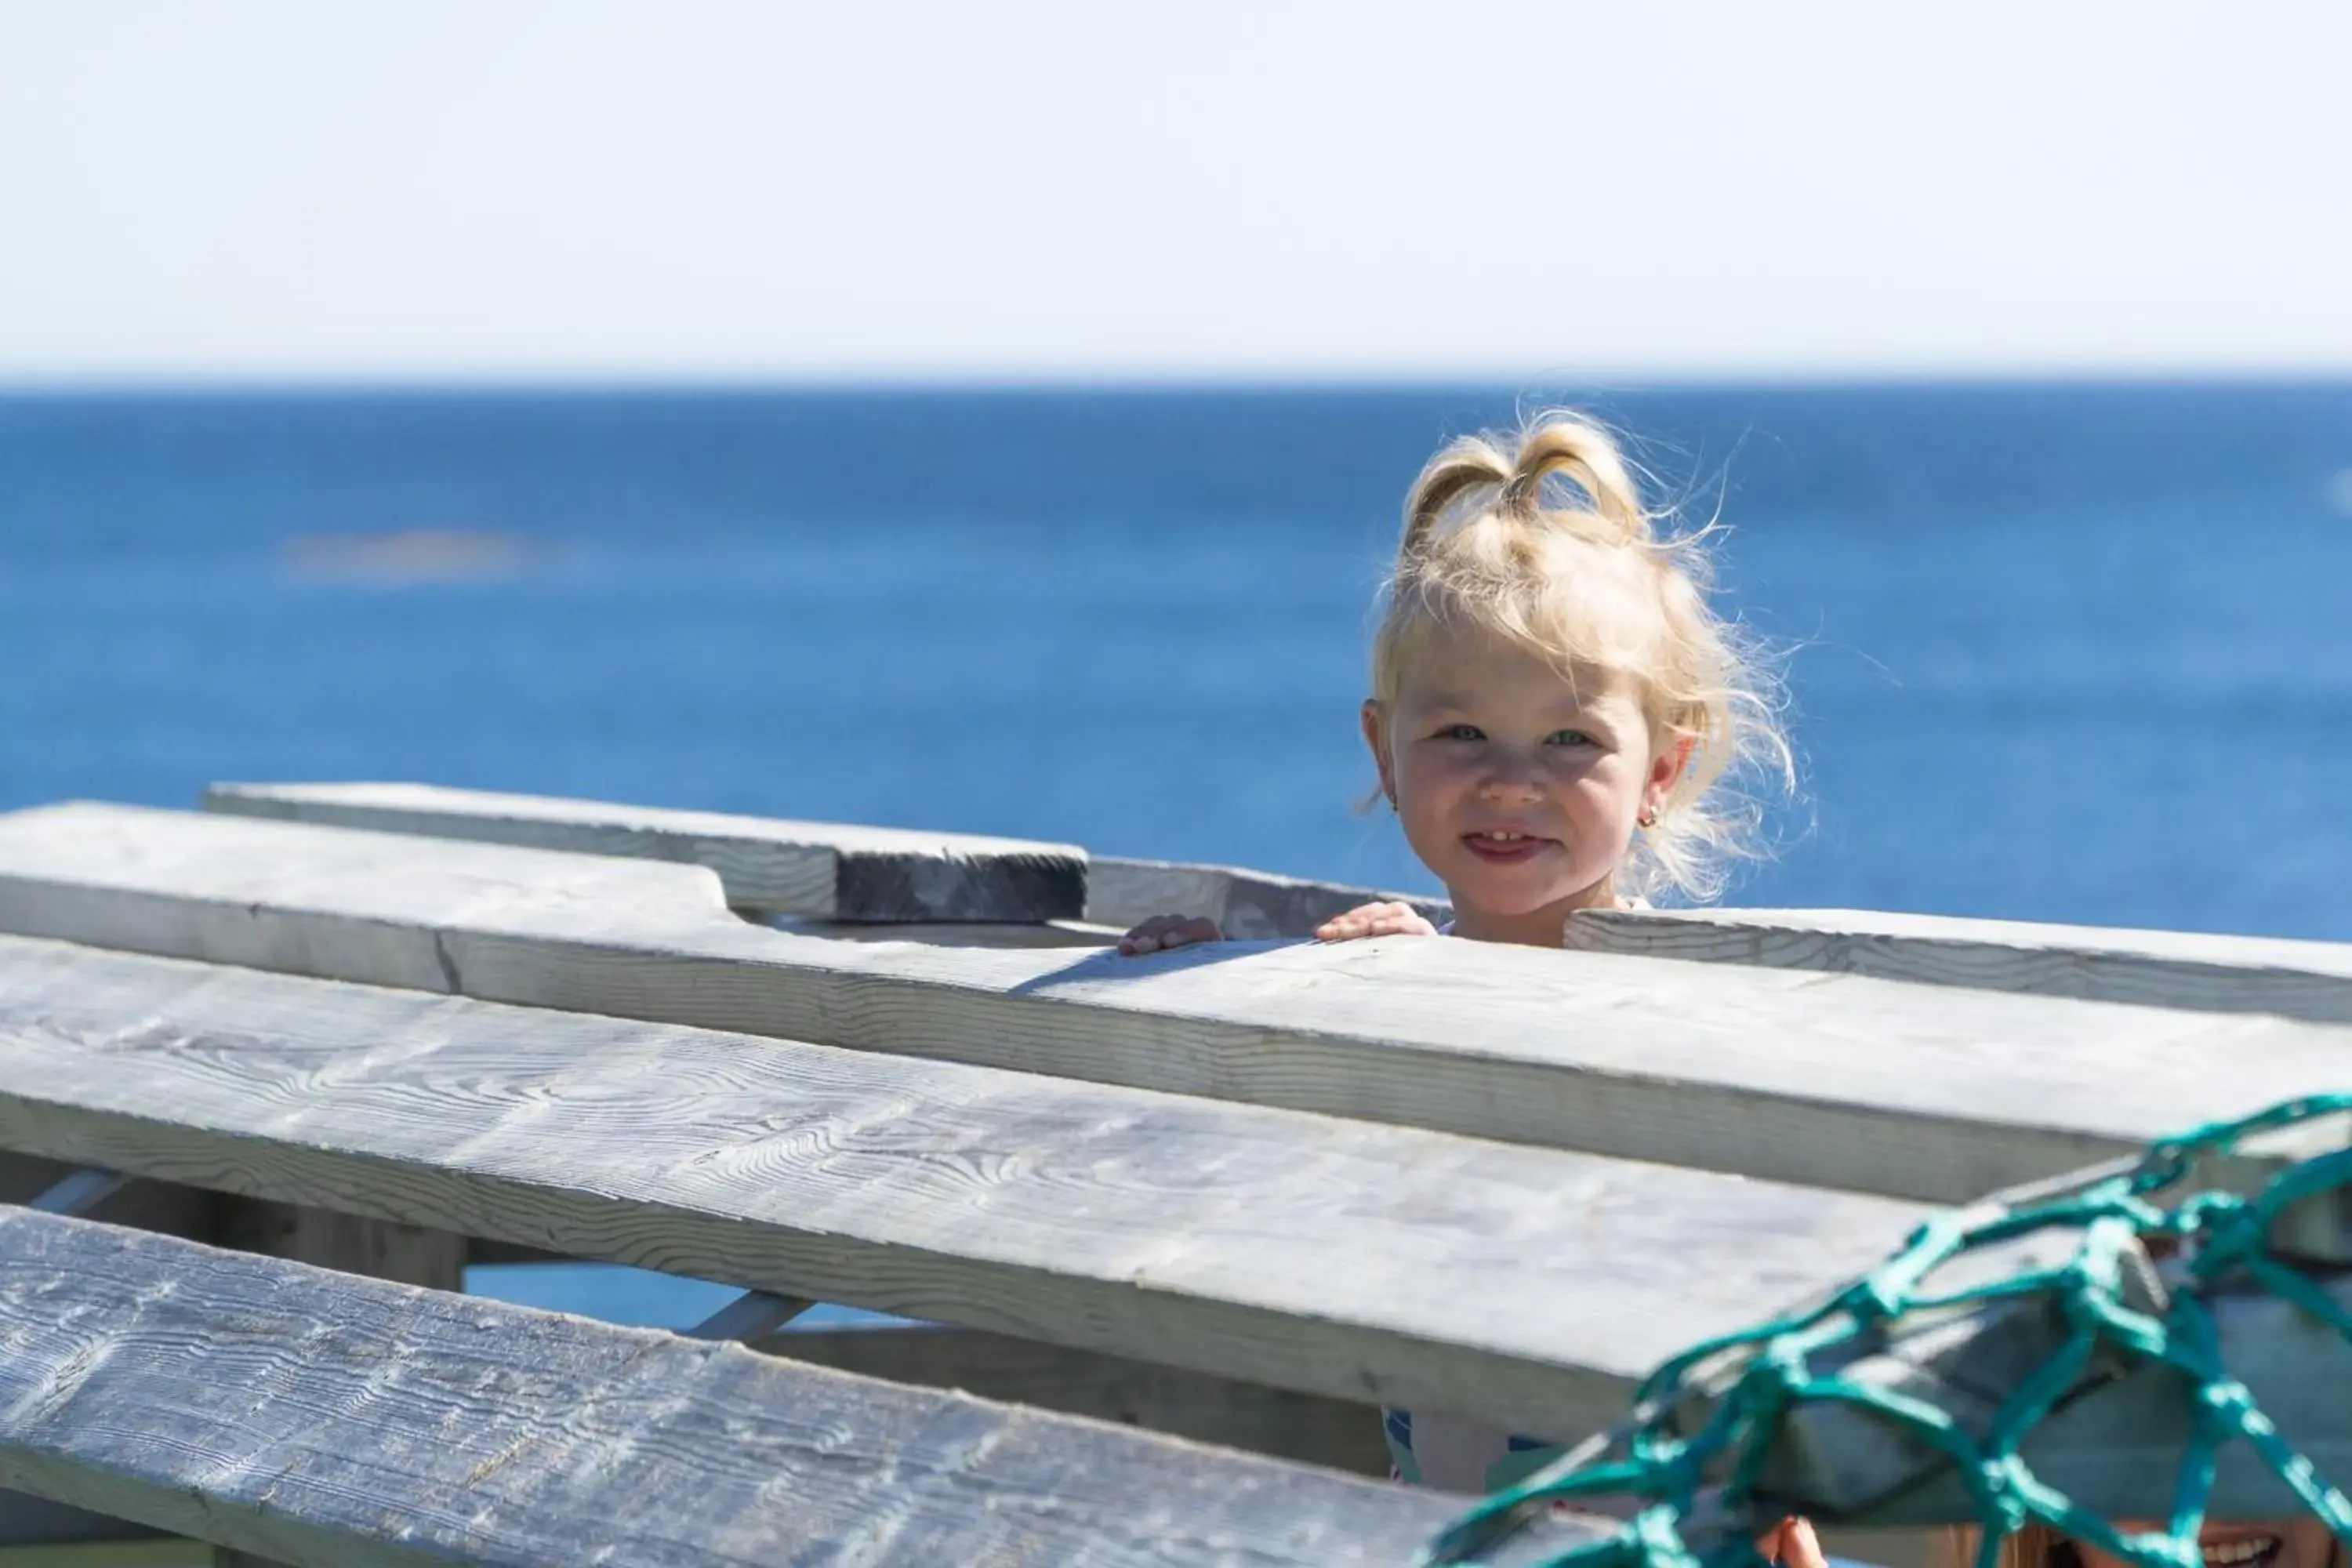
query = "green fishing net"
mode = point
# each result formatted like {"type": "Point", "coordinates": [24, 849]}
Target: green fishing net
{"type": "Point", "coordinates": [1702, 1484]}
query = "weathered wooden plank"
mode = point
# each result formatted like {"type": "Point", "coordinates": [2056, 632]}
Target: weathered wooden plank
{"type": "Point", "coordinates": [1364, 1261]}
{"type": "Point", "coordinates": [2309, 980]}
{"type": "Point", "coordinates": [30, 1525]}
{"type": "Point", "coordinates": [1340, 1434]}
{"type": "Point", "coordinates": [324, 1418]}
{"type": "Point", "coordinates": [777, 867]}
{"type": "Point", "coordinates": [1248, 906]}
{"type": "Point", "coordinates": [824, 870]}
{"type": "Point", "coordinates": [1834, 1080]}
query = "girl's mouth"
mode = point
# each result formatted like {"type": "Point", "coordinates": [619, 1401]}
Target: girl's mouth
{"type": "Point", "coordinates": [2241, 1551]}
{"type": "Point", "coordinates": [1501, 847]}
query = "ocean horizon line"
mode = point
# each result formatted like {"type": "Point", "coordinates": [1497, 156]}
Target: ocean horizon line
{"type": "Point", "coordinates": [234, 386]}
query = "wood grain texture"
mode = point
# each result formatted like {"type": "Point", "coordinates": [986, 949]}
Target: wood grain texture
{"type": "Point", "coordinates": [1362, 1261]}
{"type": "Point", "coordinates": [1337, 1434]}
{"type": "Point", "coordinates": [2310, 980]}
{"type": "Point", "coordinates": [1248, 906]}
{"type": "Point", "coordinates": [825, 869]}
{"type": "Point", "coordinates": [322, 1418]}
{"type": "Point", "coordinates": [31, 1523]}
{"type": "Point", "coordinates": [1824, 1079]}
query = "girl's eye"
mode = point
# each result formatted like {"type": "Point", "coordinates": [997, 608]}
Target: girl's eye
{"type": "Point", "coordinates": [1461, 733]}
{"type": "Point", "coordinates": [1570, 737]}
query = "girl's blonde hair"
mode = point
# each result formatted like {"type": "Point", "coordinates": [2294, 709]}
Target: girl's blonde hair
{"type": "Point", "coordinates": [1490, 544]}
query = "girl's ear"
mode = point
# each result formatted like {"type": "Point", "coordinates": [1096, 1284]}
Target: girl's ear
{"type": "Point", "coordinates": [1376, 738]}
{"type": "Point", "coordinates": [1666, 771]}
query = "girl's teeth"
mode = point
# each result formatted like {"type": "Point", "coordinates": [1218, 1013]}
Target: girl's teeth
{"type": "Point", "coordinates": [2225, 1554]}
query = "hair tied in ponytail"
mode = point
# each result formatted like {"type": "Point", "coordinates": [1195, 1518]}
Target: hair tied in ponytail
{"type": "Point", "coordinates": [1586, 456]}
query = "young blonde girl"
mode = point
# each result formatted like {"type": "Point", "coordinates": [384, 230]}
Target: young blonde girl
{"type": "Point", "coordinates": [1553, 699]}
{"type": "Point", "coordinates": [1553, 703]}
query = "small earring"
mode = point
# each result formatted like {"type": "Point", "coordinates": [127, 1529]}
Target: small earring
{"type": "Point", "coordinates": [1648, 818]}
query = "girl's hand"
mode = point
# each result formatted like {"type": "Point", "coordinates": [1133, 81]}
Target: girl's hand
{"type": "Point", "coordinates": [1792, 1545]}
{"type": "Point", "coordinates": [1374, 920]}
{"type": "Point", "coordinates": [1161, 932]}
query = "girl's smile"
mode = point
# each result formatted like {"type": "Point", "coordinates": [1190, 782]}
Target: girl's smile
{"type": "Point", "coordinates": [1504, 846]}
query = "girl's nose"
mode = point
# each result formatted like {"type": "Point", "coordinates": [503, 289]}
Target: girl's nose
{"type": "Point", "coordinates": [1510, 781]}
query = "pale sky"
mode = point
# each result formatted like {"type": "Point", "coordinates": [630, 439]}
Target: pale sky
{"type": "Point", "coordinates": [686, 190]}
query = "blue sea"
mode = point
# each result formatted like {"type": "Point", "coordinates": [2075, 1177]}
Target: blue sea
{"type": "Point", "coordinates": [2054, 652]}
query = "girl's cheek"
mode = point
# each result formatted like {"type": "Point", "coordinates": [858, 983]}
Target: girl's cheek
{"type": "Point", "coordinates": [1434, 773]}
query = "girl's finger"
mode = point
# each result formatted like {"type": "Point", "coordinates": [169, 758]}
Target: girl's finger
{"type": "Point", "coordinates": [1146, 937]}
{"type": "Point", "coordinates": [1793, 1544]}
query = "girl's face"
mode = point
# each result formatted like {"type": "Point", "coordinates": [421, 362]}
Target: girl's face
{"type": "Point", "coordinates": [2301, 1543]}
{"type": "Point", "coordinates": [1518, 788]}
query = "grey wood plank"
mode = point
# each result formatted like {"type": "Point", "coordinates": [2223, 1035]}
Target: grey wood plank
{"type": "Point", "coordinates": [2310, 980]}
{"type": "Point", "coordinates": [824, 870]}
{"type": "Point", "coordinates": [1826, 1080]}
{"type": "Point", "coordinates": [792, 868]}
{"type": "Point", "coordinates": [1340, 1434]}
{"type": "Point", "coordinates": [1359, 1260]}
{"type": "Point", "coordinates": [324, 1418]}
{"type": "Point", "coordinates": [28, 1523]}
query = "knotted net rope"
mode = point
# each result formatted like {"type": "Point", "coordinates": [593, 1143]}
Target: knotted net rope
{"type": "Point", "coordinates": [1758, 1376]}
